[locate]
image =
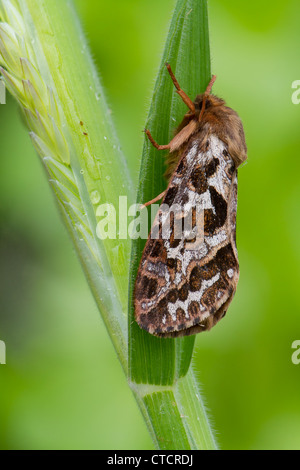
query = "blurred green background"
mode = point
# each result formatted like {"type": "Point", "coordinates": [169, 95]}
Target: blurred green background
{"type": "Point", "coordinates": [62, 386]}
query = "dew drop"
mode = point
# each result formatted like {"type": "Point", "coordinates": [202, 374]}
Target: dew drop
{"type": "Point", "coordinates": [82, 172]}
{"type": "Point", "coordinates": [108, 178]}
{"type": "Point", "coordinates": [95, 197]}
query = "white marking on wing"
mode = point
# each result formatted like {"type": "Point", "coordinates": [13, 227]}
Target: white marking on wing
{"type": "Point", "coordinates": [220, 180]}
{"type": "Point", "coordinates": [191, 154]}
{"type": "Point", "coordinates": [193, 296]}
{"type": "Point", "coordinates": [230, 273]}
{"type": "Point", "coordinates": [216, 239]}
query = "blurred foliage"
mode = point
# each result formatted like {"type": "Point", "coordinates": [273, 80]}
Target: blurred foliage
{"type": "Point", "coordinates": [62, 386]}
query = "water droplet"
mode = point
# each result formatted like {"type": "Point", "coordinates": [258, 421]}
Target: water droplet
{"type": "Point", "coordinates": [108, 178]}
{"type": "Point", "coordinates": [105, 138]}
{"type": "Point", "coordinates": [98, 96]}
{"type": "Point", "coordinates": [95, 197]}
{"type": "Point", "coordinates": [82, 172]}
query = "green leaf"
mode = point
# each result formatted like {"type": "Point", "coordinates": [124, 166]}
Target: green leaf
{"type": "Point", "coordinates": [159, 367]}
{"type": "Point", "coordinates": [47, 65]}
{"type": "Point", "coordinates": [153, 360]}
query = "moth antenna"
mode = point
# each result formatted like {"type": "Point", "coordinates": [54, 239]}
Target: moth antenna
{"type": "Point", "coordinates": [210, 85]}
{"type": "Point", "coordinates": [206, 94]}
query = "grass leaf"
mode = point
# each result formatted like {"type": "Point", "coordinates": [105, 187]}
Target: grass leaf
{"type": "Point", "coordinates": [158, 365]}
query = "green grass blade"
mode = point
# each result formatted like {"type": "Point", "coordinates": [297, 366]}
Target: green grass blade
{"type": "Point", "coordinates": [159, 368]}
{"type": "Point", "coordinates": [153, 360]}
{"type": "Point", "coordinates": [46, 64]}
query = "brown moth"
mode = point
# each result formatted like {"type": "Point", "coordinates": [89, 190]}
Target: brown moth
{"type": "Point", "coordinates": [185, 283]}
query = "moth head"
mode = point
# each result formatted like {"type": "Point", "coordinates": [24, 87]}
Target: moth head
{"type": "Point", "coordinates": [224, 122]}
{"type": "Point", "coordinates": [210, 101]}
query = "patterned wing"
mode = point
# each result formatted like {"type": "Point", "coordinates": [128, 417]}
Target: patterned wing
{"type": "Point", "coordinates": [188, 277]}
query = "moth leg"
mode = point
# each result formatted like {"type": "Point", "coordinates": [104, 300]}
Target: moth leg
{"type": "Point", "coordinates": [180, 92]}
{"type": "Point", "coordinates": [185, 99]}
{"type": "Point", "coordinates": [157, 198]}
{"type": "Point", "coordinates": [155, 144]}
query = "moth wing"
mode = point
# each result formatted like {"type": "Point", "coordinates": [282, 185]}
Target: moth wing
{"type": "Point", "coordinates": [185, 283]}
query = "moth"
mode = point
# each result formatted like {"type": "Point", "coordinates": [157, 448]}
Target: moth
{"type": "Point", "coordinates": [185, 283]}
